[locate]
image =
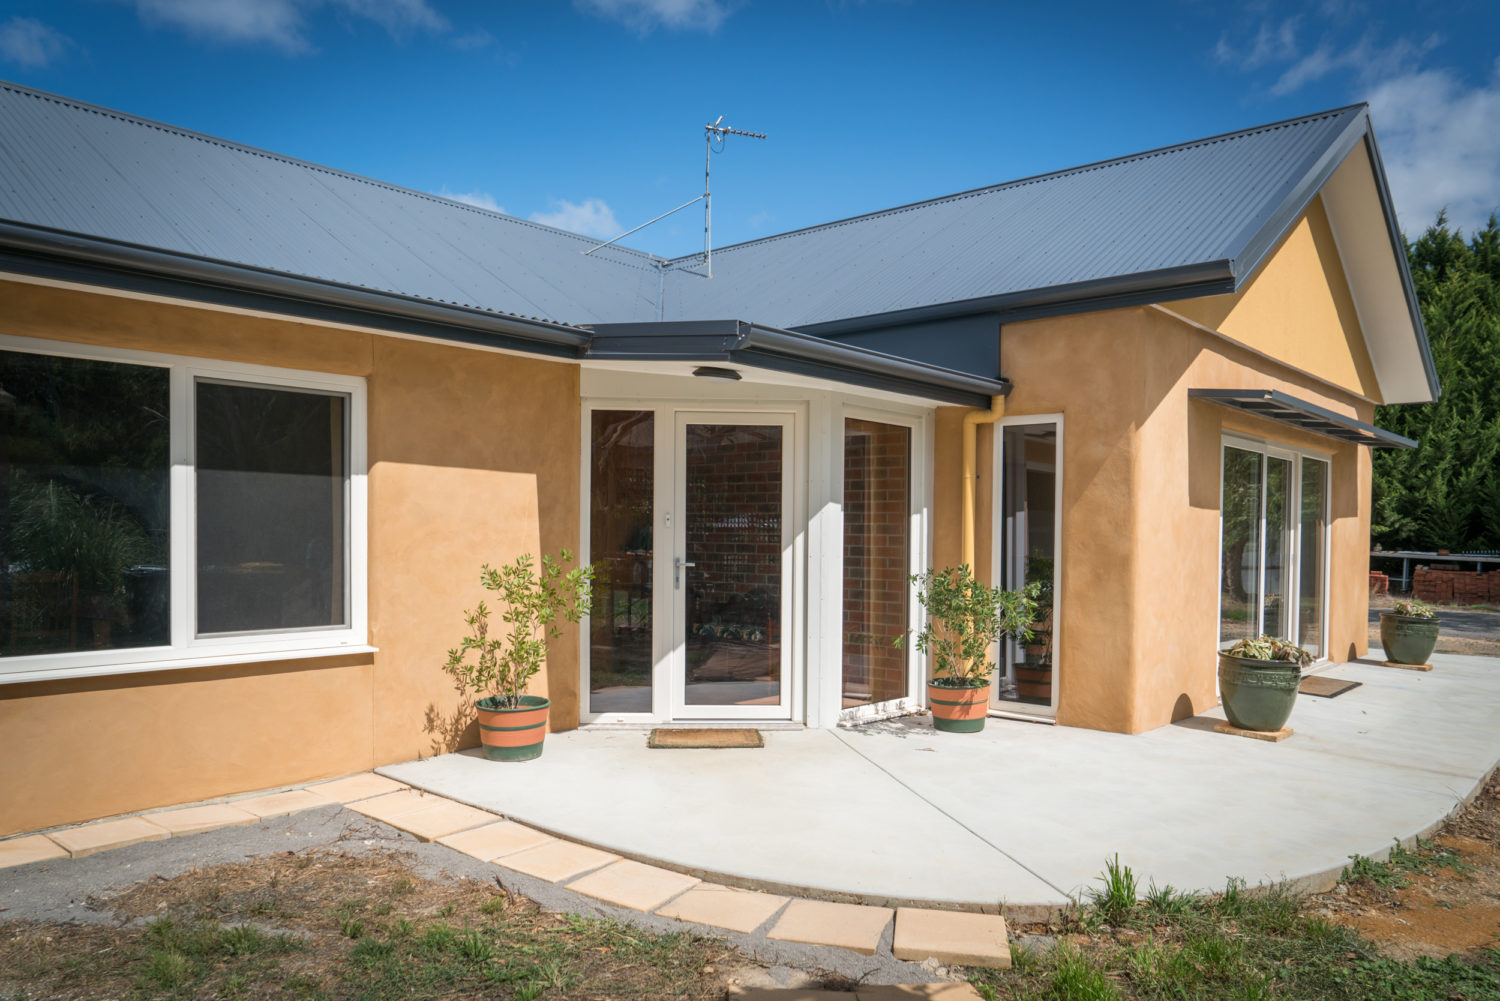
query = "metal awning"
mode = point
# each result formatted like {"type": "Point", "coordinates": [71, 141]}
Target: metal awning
{"type": "Point", "coordinates": [1275, 405]}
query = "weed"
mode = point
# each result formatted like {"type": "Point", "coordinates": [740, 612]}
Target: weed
{"type": "Point", "coordinates": [1166, 902]}
{"type": "Point", "coordinates": [1074, 978]}
{"type": "Point", "coordinates": [352, 928]}
{"type": "Point", "coordinates": [1117, 897]}
{"type": "Point", "coordinates": [402, 928]}
{"type": "Point", "coordinates": [370, 951]}
{"type": "Point", "coordinates": [402, 886]}
{"type": "Point", "coordinates": [439, 937]}
{"type": "Point", "coordinates": [169, 970]}
{"type": "Point", "coordinates": [475, 947]}
{"type": "Point", "coordinates": [494, 905]}
{"type": "Point", "coordinates": [1232, 902]}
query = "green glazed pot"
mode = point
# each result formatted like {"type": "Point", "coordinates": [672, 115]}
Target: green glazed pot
{"type": "Point", "coordinates": [1258, 694]}
{"type": "Point", "coordinates": [1408, 639]}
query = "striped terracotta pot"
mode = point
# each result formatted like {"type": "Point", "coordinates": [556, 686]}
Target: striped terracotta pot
{"type": "Point", "coordinates": [513, 734]}
{"type": "Point", "coordinates": [958, 710]}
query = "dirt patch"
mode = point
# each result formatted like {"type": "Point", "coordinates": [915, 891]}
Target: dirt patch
{"type": "Point", "coordinates": [1440, 899]}
{"type": "Point", "coordinates": [324, 924]}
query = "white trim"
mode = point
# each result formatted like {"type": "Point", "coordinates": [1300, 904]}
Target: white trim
{"type": "Point", "coordinates": [918, 503]}
{"type": "Point", "coordinates": [997, 572]}
{"type": "Point", "coordinates": [187, 649]}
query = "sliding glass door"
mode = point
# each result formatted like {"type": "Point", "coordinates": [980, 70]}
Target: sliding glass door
{"type": "Point", "coordinates": [1027, 550]}
{"type": "Point", "coordinates": [1273, 541]}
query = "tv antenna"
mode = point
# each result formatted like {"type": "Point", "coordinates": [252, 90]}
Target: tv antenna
{"type": "Point", "coordinates": [714, 136]}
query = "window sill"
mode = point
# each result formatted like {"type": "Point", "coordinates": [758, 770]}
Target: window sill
{"type": "Point", "coordinates": [177, 663]}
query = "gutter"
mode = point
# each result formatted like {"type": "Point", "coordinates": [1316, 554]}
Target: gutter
{"type": "Point", "coordinates": [53, 254]}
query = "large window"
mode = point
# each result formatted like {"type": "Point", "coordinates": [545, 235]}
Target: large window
{"type": "Point", "coordinates": [158, 511]}
{"type": "Point", "coordinates": [1273, 537]}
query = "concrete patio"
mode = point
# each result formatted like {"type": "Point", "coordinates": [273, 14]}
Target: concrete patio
{"type": "Point", "coordinates": [1022, 815]}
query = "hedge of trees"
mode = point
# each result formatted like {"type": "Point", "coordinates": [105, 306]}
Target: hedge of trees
{"type": "Point", "coordinates": [1446, 492]}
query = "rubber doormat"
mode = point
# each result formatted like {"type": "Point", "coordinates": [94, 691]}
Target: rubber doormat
{"type": "Point", "coordinates": [706, 737]}
{"type": "Point", "coordinates": [1328, 688]}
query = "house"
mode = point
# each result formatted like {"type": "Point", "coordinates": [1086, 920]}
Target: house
{"type": "Point", "coordinates": [264, 420]}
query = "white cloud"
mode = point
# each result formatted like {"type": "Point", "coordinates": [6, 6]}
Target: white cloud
{"type": "Point", "coordinates": [1366, 59]}
{"type": "Point", "coordinates": [1273, 43]}
{"type": "Point", "coordinates": [644, 16]}
{"type": "Point", "coordinates": [478, 199]}
{"type": "Point", "coordinates": [1440, 143]}
{"type": "Point", "coordinates": [25, 41]}
{"type": "Point", "coordinates": [591, 217]}
{"type": "Point", "coordinates": [281, 23]}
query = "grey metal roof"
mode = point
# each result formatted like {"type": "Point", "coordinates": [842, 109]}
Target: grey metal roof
{"type": "Point", "coordinates": [1274, 405]}
{"type": "Point", "coordinates": [1186, 213]}
{"type": "Point", "coordinates": [76, 168]}
{"type": "Point", "coordinates": [80, 183]}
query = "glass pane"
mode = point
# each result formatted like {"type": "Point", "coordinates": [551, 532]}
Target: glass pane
{"type": "Point", "coordinates": [1310, 568]}
{"type": "Point", "coordinates": [733, 592]}
{"type": "Point", "coordinates": [84, 505]}
{"type": "Point", "coordinates": [877, 559]}
{"type": "Point", "coordinates": [1278, 555]}
{"type": "Point", "coordinates": [622, 454]}
{"type": "Point", "coordinates": [1239, 588]}
{"type": "Point", "coordinates": [272, 470]}
{"type": "Point", "coordinates": [1028, 543]}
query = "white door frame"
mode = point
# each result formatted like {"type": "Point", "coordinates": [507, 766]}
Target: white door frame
{"type": "Point", "coordinates": [918, 503]}
{"type": "Point", "coordinates": [677, 592]}
{"type": "Point", "coordinates": [997, 571]}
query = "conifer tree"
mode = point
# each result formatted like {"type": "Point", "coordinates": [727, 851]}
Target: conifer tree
{"type": "Point", "coordinates": [1446, 492]}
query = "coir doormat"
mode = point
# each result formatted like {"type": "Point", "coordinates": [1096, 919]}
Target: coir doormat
{"type": "Point", "coordinates": [706, 737]}
{"type": "Point", "coordinates": [1328, 688]}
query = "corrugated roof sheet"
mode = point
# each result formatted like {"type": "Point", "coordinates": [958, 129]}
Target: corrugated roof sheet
{"type": "Point", "coordinates": [78, 168]}
{"type": "Point", "coordinates": [86, 170]}
{"type": "Point", "coordinates": [1170, 208]}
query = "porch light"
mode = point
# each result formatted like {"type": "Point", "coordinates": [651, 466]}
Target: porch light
{"type": "Point", "coordinates": [711, 372]}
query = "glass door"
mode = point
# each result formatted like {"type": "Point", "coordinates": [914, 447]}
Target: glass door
{"type": "Point", "coordinates": [1027, 678]}
{"type": "Point", "coordinates": [1273, 538]}
{"type": "Point", "coordinates": [731, 566]}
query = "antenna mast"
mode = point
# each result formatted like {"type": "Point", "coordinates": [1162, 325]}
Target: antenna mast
{"type": "Point", "coordinates": [718, 131]}
{"type": "Point", "coordinates": [713, 142]}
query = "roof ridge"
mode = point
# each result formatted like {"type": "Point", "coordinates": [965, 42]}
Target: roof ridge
{"type": "Point", "coordinates": [646, 257]}
{"type": "Point", "coordinates": [1033, 179]}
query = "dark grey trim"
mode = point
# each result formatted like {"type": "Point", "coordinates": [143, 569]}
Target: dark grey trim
{"type": "Point", "coordinates": [757, 346]}
{"type": "Point", "coordinates": [1275, 405]}
{"type": "Point", "coordinates": [1186, 282]}
{"type": "Point", "coordinates": [61, 256]}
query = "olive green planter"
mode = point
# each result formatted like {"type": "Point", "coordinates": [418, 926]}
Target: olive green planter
{"type": "Point", "coordinates": [1258, 694]}
{"type": "Point", "coordinates": [1408, 639]}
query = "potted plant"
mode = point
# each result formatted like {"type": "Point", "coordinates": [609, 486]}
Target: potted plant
{"type": "Point", "coordinates": [1258, 681]}
{"type": "Point", "coordinates": [512, 725]}
{"type": "Point", "coordinates": [965, 618]}
{"type": "Point", "coordinates": [1034, 674]}
{"type": "Point", "coordinates": [1409, 631]}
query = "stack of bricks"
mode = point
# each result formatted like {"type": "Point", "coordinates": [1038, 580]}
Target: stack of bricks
{"type": "Point", "coordinates": [1379, 583]}
{"type": "Point", "coordinates": [1456, 587]}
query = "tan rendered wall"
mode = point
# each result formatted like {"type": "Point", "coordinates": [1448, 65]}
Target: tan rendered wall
{"type": "Point", "coordinates": [1138, 603]}
{"type": "Point", "coordinates": [472, 456]}
{"type": "Point", "coordinates": [1299, 290]}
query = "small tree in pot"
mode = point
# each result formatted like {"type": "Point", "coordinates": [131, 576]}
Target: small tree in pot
{"type": "Point", "coordinates": [1258, 681]}
{"type": "Point", "coordinates": [512, 725]}
{"type": "Point", "coordinates": [1409, 632]}
{"type": "Point", "coordinates": [965, 618]}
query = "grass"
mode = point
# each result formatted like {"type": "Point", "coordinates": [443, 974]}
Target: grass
{"type": "Point", "coordinates": [347, 927]}
{"type": "Point", "coordinates": [1237, 944]}
{"type": "Point", "coordinates": [1424, 858]}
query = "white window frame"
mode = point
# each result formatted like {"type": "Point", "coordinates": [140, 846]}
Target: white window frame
{"type": "Point", "coordinates": [186, 649]}
{"type": "Point", "coordinates": [1000, 706]}
{"type": "Point", "coordinates": [1267, 448]}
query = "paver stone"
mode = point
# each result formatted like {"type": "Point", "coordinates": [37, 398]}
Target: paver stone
{"type": "Point", "coordinates": [951, 937]}
{"type": "Point", "coordinates": [281, 803]}
{"type": "Point", "coordinates": [495, 841]}
{"type": "Point", "coordinates": [558, 861]}
{"type": "Point", "coordinates": [723, 907]}
{"type": "Point", "coordinates": [856, 927]}
{"type": "Point", "coordinates": [632, 884]}
{"type": "Point", "coordinates": [202, 818]}
{"type": "Point", "coordinates": [352, 788]}
{"type": "Point", "coordinates": [32, 848]}
{"type": "Point", "coordinates": [91, 838]}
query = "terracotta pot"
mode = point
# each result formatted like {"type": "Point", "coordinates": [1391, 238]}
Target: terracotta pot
{"type": "Point", "coordinates": [516, 734]}
{"type": "Point", "coordinates": [958, 710]}
{"type": "Point", "coordinates": [1034, 682]}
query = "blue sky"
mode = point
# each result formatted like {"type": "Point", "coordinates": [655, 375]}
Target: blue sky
{"type": "Point", "coordinates": [589, 114]}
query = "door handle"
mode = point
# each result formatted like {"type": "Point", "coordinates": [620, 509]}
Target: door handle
{"type": "Point", "coordinates": [677, 564]}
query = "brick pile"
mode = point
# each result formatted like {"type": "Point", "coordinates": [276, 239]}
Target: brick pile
{"type": "Point", "coordinates": [1456, 587]}
{"type": "Point", "coordinates": [1379, 583]}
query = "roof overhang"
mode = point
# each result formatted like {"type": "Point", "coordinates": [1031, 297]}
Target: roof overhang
{"type": "Point", "coordinates": [754, 346]}
{"type": "Point", "coordinates": [1274, 405]}
{"type": "Point", "coordinates": [68, 257]}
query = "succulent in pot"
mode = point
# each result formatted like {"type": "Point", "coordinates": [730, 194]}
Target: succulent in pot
{"type": "Point", "coordinates": [1409, 632]}
{"type": "Point", "coordinates": [512, 724]}
{"type": "Point", "coordinates": [965, 617]}
{"type": "Point", "coordinates": [1258, 679]}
